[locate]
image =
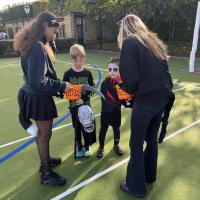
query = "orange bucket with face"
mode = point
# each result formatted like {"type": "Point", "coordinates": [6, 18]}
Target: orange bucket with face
{"type": "Point", "coordinates": [122, 95]}
{"type": "Point", "coordinates": [74, 93]}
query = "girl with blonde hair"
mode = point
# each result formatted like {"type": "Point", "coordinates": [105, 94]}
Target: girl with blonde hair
{"type": "Point", "coordinates": [144, 72]}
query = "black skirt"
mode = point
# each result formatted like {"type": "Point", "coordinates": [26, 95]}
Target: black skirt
{"type": "Point", "coordinates": [36, 107]}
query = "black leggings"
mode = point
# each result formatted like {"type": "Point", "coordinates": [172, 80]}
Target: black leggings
{"type": "Point", "coordinates": [79, 132]}
{"type": "Point", "coordinates": [42, 140]}
{"type": "Point", "coordinates": [102, 135]}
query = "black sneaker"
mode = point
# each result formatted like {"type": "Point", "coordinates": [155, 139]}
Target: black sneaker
{"type": "Point", "coordinates": [118, 150]}
{"type": "Point", "coordinates": [100, 152]}
{"type": "Point", "coordinates": [52, 178]}
{"type": "Point", "coordinates": [53, 162]}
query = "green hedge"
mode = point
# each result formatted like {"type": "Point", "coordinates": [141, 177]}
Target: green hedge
{"type": "Point", "coordinates": [6, 47]}
{"type": "Point", "coordinates": [63, 45]}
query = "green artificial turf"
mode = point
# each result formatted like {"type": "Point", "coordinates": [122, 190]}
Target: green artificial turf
{"type": "Point", "coordinates": [178, 166]}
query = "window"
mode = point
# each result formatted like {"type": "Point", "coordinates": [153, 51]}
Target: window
{"type": "Point", "coordinates": [62, 33]}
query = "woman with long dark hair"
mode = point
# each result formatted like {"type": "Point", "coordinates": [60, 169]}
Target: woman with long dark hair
{"type": "Point", "coordinates": [35, 97]}
{"type": "Point", "coordinates": [144, 72]}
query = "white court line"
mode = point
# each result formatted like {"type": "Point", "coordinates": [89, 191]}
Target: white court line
{"type": "Point", "coordinates": [179, 89]}
{"type": "Point", "coordinates": [9, 66]}
{"type": "Point", "coordinates": [26, 138]}
{"type": "Point", "coordinates": [3, 100]}
{"type": "Point", "coordinates": [100, 174]}
{"type": "Point", "coordinates": [86, 66]}
{"type": "Point", "coordinates": [16, 61]}
{"type": "Point", "coordinates": [60, 61]}
{"type": "Point", "coordinates": [182, 130]}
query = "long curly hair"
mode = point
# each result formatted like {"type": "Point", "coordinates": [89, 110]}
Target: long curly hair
{"type": "Point", "coordinates": [32, 32]}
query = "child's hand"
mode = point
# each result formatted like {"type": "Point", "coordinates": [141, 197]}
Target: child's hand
{"type": "Point", "coordinates": [79, 102]}
{"type": "Point", "coordinates": [68, 86]}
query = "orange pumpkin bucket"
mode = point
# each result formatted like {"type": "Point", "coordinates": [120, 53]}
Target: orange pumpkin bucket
{"type": "Point", "coordinates": [74, 93]}
{"type": "Point", "coordinates": [122, 95]}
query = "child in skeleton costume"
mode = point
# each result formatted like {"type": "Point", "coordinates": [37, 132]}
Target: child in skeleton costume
{"type": "Point", "coordinates": [27, 124]}
{"type": "Point", "coordinates": [82, 116]}
{"type": "Point", "coordinates": [111, 108]}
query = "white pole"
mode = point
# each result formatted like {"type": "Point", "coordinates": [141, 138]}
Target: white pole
{"type": "Point", "coordinates": [195, 40]}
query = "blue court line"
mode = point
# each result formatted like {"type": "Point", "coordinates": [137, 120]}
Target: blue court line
{"type": "Point", "coordinates": [32, 140]}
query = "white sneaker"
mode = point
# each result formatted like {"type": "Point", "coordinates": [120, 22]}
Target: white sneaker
{"type": "Point", "coordinates": [32, 129]}
{"type": "Point", "coordinates": [88, 153]}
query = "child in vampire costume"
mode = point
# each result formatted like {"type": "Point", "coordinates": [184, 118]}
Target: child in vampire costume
{"type": "Point", "coordinates": [111, 108]}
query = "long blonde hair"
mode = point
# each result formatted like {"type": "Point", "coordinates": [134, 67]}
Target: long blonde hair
{"type": "Point", "coordinates": [133, 26]}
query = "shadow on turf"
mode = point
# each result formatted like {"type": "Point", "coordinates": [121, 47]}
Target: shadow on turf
{"type": "Point", "coordinates": [178, 157]}
{"type": "Point", "coordinates": [174, 164]}
{"type": "Point", "coordinates": [75, 171]}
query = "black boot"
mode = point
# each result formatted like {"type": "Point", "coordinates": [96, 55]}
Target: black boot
{"type": "Point", "coordinates": [52, 178]}
{"type": "Point", "coordinates": [124, 188]}
{"type": "Point", "coordinates": [53, 162]}
{"type": "Point", "coordinates": [118, 150]}
{"type": "Point", "coordinates": [100, 152]}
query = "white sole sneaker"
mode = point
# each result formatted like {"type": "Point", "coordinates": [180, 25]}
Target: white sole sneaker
{"type": "Point", "coordinates": [88, 153]}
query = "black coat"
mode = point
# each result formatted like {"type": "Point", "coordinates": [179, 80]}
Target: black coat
{"type": "Point", "coordinates": [39, 73]}
{"type": "Point", "coordinates": [141, 72]}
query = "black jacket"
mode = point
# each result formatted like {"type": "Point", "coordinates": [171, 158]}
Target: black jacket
{"type": "Point", "coordinates": [111, 102]}
{"type": "Point", "coordinates": [39, 73]}
{"type": "Point", "coordinates": [141, 72]}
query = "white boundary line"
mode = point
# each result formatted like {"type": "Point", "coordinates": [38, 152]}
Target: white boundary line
{"type": "Point", "coordinates": [26, 138]}
{"type": "Point", "coordinates": [86, 66]}
{"type": "Point", "coordinates": [87, 181]}
{"type": "Point", "coordinates": [60, 127]}
{"type": "Point", "coordinates": [182, 130]}
{"type": "Point", "coordinates": [106, 171]}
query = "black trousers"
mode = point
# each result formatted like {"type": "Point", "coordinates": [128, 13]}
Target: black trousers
{"type": "Point", "coordinates": [145, 122]}
{"type": "Point", "coordinates": [79, 130]}
{"type": "Point", "coordinates": [89, 138]}
{"type": "Point", "coordinates": [110, 119]}
{"type": "Point", "coordinates": [102, 135]}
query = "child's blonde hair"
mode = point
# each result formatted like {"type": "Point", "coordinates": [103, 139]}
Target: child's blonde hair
{"type": "Point", "coordinates": [77, 50]}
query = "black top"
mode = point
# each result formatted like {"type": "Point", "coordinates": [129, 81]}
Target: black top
{"type": "Point", "coordinates": [142, 73]}
{"type": "Point", "coordinates": [83, 77]}
{"type": "Point", "coordinates": [39, 74]}
{"type": "Point", "coordinates": [111, 102]}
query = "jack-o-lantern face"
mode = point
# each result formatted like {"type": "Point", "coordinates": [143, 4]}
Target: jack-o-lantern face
{"type": "Point", "coordinates": [74, 93]}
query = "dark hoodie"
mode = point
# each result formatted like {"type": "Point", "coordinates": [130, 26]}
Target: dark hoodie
{"type": "Point", "coordinates": [39, 73]}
